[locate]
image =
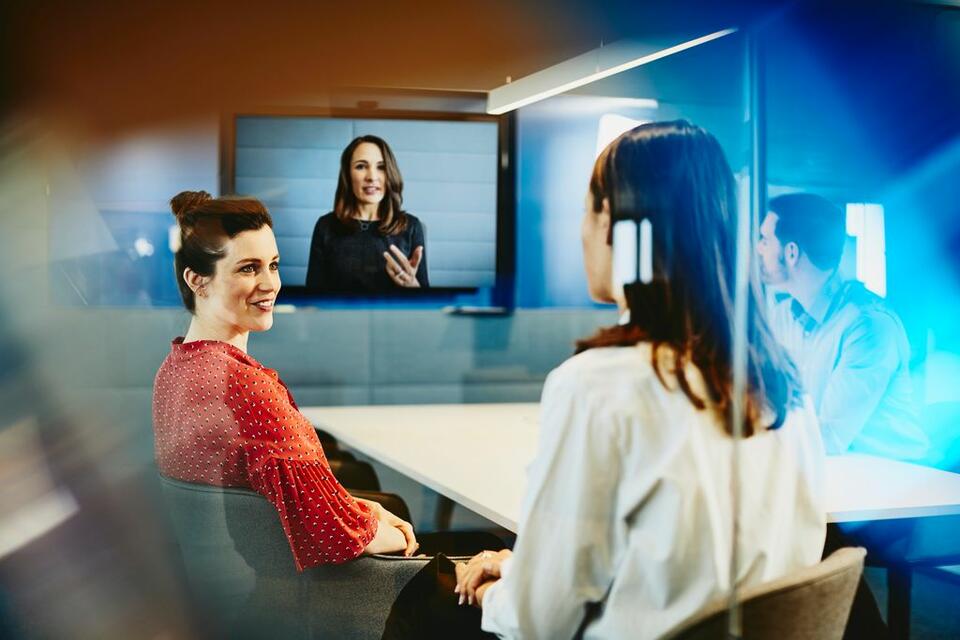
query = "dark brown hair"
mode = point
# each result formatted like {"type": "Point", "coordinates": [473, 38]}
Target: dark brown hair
{"type": "Point", "coordinates": [814, 224]}
{"type": "Point", "coordinates": [206, 223]}
{"type": "Point", "coordinates": [393, 219]}
{"type": "Point", "coordinates": [675, 175]}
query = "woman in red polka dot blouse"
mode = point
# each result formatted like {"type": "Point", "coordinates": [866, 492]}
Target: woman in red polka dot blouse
{"type": "Point", "coordinates": [222, 418]}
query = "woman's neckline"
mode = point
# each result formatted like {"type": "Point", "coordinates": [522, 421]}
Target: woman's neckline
{"type": "Point", "coordinates": [357, 216]}
{"type": "Point", "coordinates": [181, 342]}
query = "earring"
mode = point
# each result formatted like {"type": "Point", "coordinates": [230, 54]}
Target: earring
{"type": "Point", "coordinates": [202, 291]}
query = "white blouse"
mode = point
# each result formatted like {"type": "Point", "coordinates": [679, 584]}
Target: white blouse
{"type": "Point", "coordinates": [626, 524]}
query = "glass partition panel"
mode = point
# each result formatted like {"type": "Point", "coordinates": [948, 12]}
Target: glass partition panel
{"type": "Point", "coordinates": [681, 234]}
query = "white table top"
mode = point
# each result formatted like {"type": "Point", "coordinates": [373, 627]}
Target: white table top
{"type": "Point", "coordinates": [458, 451]}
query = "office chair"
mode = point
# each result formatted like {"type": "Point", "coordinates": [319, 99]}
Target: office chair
{"type": "Point", "coordinates": [812, 603]}
{"type": "Point", "coordinates": [243, 580]}
{"type": "Point", "coordinates": [354, 474]}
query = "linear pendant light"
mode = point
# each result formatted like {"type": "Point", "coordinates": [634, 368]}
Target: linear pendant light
{"type": "Point", "coordinates": [597, 64]}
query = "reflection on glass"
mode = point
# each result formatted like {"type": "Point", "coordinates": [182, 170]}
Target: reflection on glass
{"type": "Point", "coordinates": [850, 346]}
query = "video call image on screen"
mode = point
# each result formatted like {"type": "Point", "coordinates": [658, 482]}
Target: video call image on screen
{"type": "Point", "coordinates": [449, 173]}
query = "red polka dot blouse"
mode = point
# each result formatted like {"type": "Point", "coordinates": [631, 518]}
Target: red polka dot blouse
{"type": "Point", "coordinates": [221, 418]}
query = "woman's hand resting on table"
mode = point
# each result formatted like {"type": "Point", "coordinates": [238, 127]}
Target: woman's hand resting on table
{"type": "Point", "coordinates": [393, 534]}
{"type": "Point", "coordinates": [475, 576]}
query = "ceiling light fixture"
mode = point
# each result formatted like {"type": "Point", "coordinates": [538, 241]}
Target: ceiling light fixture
{"type": "Point", "coordinates": [600, 63]}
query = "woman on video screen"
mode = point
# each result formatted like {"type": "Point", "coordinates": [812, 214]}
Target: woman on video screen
{"type": "Point", "coordinates": [368, 243]}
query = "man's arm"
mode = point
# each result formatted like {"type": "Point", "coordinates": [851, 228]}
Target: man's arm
{"type": "Point", "coordinates": [867, 361]}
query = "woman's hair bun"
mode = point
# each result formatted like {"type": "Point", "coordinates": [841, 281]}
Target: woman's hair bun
{"type": "Point", "coordinates": [187, 200]}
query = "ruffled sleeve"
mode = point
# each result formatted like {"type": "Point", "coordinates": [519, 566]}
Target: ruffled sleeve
{"type": "Point", "coordinates": [286, 464]}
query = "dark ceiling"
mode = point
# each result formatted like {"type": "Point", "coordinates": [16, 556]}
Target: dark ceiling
{"type": "Point", "coordinates": [108, 66]}
{"type": "Point", "coordinates": [113, 64]}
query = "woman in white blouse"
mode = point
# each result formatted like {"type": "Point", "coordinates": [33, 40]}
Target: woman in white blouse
{"type": "Point", "coordinates": [627, 523]}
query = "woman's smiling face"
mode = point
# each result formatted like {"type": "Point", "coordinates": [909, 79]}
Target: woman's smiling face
{"type": "Point", "coordinates": [241, 293]}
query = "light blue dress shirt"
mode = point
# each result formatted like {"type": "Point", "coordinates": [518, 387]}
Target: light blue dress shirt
{"type": "Point", "coordinates": [853, 356]}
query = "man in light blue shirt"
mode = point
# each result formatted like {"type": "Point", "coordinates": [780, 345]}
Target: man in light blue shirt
{"type": "Point", "coordinates": [850, 347]}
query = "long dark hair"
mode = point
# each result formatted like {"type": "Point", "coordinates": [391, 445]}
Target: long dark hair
{"type": "Point", "coordinates": [675, 175]}
{"type": "Point", "coordinates": [393, 219]}
{"type": "Point", "coordinates": [206, 223]}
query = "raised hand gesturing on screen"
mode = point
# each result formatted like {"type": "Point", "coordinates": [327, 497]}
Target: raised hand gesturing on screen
{"type": "Point", "coordinates": [403, 271]}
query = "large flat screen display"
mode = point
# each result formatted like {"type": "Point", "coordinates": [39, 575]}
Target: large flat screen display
{"type": "Point", "coordinates": [448, 168]}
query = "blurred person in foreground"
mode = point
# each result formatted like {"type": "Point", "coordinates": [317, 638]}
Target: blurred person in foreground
{"type": "Point", "coordinates": [627, 522]}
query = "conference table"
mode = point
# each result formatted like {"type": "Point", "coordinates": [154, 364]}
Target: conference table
{"type": "Point", "coordinates": [477, 455]}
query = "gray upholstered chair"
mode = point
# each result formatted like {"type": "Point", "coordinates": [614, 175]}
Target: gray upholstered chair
{"type": "Point", "coordinates": [242, 577]}
{"type": "Point", "coordinates": [812, 603]}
